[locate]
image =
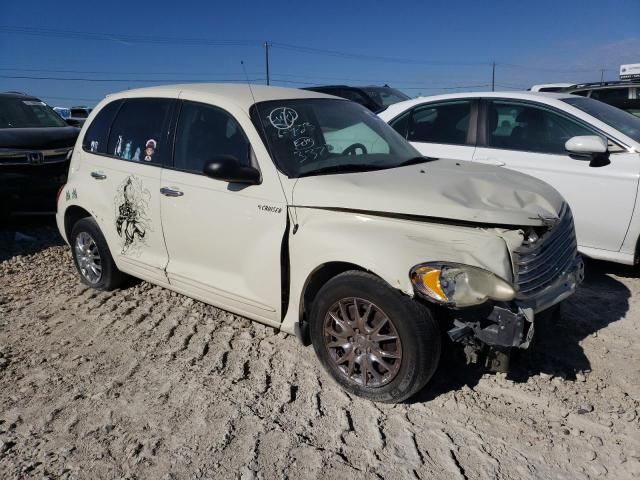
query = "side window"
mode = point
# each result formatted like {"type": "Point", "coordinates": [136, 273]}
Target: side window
{"type": "Point", "coordinates": [354, 96]}
{"type": "Point", "coordinates": [138, 130]}
{"type": "Point", "coordinates": [97, 136]}
{"type": "Point", "coordinates": [444, 123]}
{"type": "Point", "coordinates": [611, 94]}
{"type": "Point", "coordinates": [204, 132]}
{"type": "Point", "coordinates": [401, 124]}
{"type": "Point", "coordinates": [516, 126]}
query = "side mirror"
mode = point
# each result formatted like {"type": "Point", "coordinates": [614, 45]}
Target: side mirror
{"type": "Point", "coordinates": [590, 147]}
{"type": "Point", "coordinates": [228, 168]}
{"type": "Point", "coordinates": [586, 144]}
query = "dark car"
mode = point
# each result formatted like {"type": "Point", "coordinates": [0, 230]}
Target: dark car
{"type": "Point", "coordinates": [624, 94]}
{"type": "Point", "coordinates": [35, 148]}
{"type": "Point", "coordinates": [373, 97]}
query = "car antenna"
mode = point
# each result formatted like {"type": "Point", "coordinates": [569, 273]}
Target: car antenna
{"type": "Point", "coordinates": [264, 134]}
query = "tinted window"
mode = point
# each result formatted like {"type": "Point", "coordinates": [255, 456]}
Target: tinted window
{"type": "Point", "coordinates": [95, 140]}
{"type": "Point", "coordinates": [20, 112]}
{"type": "Point", "coordinates": [619, 119]}
{"type": "Point", "coordinates": [523, 127]}
{"type": "Point", "coordinates": [205, 132]}
{"type": "Point", "coordinates": [385, 96]}
{"type": "Point", "coordinates": [137, 132]}
{"type": "Point", "coordinates": [445, 123]}
{"type": "Point", "coordinates": [354, 96]}
{"type": "Point", "coordinates": [610, 94]}
{"type": "Point", "coordinates": [401, 124]}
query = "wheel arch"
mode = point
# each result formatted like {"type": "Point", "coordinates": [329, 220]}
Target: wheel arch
{"type": "Point", "coordinates": [312, 285]}
{"type": "Point", "coordinates": [71, 216]}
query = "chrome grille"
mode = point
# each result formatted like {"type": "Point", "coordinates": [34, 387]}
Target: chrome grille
{"type": "Point", "coordinates": [539, 265]}
{"type": "Point", "coordinates": [22, 157]}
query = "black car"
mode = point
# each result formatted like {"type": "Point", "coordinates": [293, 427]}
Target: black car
{"type": "Point", "coordinates": [373, 97]}
{"type": "Point", "coordinates": [35, 148]}
{"type": "Point", "coordinates": [624, 94]}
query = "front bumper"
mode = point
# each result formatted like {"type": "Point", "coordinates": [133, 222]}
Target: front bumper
{"type": "Point", "coordinates": [511, 324]}
{"type": "Point", "coordinates": [32, 188]}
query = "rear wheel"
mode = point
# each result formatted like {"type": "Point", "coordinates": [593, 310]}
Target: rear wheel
{"type": "Point", "coordinates": [92, 257]}
{"type": "Point", "coordinates": [373, 340]}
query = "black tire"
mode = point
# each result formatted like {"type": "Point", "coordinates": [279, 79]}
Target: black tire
{"type": "Point", "coordinates": [110, 277]}
{"type": "Point", "coordinates": [419, 334]}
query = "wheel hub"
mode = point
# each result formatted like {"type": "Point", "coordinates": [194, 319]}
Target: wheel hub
{"type": "Point", "coordinates": [363, 342]}
{"type": "Point", "coordinates": [88, 258]}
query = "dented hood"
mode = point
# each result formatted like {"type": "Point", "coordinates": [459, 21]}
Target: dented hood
{"type": "Point", "coordinates": [450, 190]}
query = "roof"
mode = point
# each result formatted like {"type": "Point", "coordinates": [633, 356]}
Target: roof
{"type": "Point", "coordinates": [614, 83]}
{"type": "Point", "coordinates": [223, 93]}
{"type": "Point", "coordinates": [17, 95]}
{"type": "Point", "coordinates": [546, 97]}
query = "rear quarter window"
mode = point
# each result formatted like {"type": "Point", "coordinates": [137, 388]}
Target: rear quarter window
{"type": "Point", "coordinates": [138, 132]}
{"type": "Point", "coordinates": [97, 135]}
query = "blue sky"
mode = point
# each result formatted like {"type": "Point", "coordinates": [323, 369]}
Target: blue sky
{"type": "Point", "coordinates": [420, 47]}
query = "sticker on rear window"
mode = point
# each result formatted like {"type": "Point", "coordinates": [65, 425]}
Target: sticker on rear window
{"type": "Point", "coordinates": [34, 103]}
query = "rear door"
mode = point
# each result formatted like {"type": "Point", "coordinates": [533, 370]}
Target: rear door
{"type": "Point", "coordinates": [224, 239]}
{"type": "Point", "coordinates": [530, 138]}
{"type": "Point", "coordinates": [441, 130]}
{"type": "Point", "coordinates": [123, 152]}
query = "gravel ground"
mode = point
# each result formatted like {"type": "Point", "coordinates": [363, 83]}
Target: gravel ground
{"type": "Point", "coordinates": [145, 383]}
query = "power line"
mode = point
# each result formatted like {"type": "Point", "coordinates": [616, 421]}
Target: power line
{"type": "Point", "coordinates": [128, 80]}
{"type": "Point", "coordinates": [551, 70]}
{"type": "Point", "coordinates": [103, 72]}
{"type": "Point", "coordinates": [126, 38]}
{"type": "Point", "coordinates": [238, 74]}
{"type": "Point", "coordinates": [193, 41]}
{"type": "Point", "coordinates": [358, 56]}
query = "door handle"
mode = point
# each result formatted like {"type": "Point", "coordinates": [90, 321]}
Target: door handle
{"type": "Point", "coordinates": [490, 161]}
{"type": "Point", "coordinates": [171, 192]}
{"type": "Point", "coordinates": [98, 175]}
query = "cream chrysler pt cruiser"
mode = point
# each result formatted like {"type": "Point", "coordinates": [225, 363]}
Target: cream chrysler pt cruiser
{"type": "Point", "coordinates": [308, 213]}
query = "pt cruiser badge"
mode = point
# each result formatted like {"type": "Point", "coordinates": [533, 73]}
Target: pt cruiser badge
{"type": "Point", "coordinates": [379, 252]}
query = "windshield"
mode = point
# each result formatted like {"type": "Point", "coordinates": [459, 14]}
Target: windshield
{"type": "Point", "coordinates": [318, 136]}
{"type": "Point", "coordinates": [16, 112]}
{"type": "Point", "coordinates": [619, 119]}
{"type": "Point", "coordinates": [385, 96]}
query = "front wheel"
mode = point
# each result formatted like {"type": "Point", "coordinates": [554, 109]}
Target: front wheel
{"type": "Point", "coordinates": [374, 341]}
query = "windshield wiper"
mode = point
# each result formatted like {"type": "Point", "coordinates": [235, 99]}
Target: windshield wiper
{"type": "Point", "coordinates": [415, 161]}
{"type": "Point", "coordinates": [344, 168]}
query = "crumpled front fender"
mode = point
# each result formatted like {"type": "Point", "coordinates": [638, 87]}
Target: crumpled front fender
{"type": "Point", "coordinates": [387, 247]}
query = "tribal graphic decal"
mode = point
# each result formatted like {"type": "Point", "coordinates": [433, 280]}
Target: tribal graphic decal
{"type": "Point", "coordinates": [132, 224]}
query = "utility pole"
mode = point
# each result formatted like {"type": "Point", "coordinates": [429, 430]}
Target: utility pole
{"type": "Point", "coordinates": [493, 77]}
{"type": "Point", "coordinates": [266, 57]}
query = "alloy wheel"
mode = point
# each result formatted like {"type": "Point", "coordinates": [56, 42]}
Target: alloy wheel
{"type": "Point", "coordinates": [88, 258]}
{"type": "Point", "coordinates": [362, 342]}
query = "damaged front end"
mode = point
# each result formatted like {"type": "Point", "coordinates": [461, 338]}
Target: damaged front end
{"type": "Point", "coordinates": [546, 269]}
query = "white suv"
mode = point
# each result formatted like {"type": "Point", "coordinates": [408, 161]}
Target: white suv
{"type": "Point", "coordinates": [308, 213]}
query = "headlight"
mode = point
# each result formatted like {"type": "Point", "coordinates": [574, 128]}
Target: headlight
{"type": "Point", "coordinates": [459, 285]}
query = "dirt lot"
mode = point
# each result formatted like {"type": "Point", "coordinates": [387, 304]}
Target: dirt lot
{"type": "Point", "coordinates": [145, 383]}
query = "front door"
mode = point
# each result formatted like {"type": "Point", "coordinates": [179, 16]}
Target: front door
{"type": "Point", "coordinates": [123, 151]}
{"type": "Point", "coordinates": [530, 138]}
{"type": "Point", "coordinates": [441, 130]}
{"type": "Point", "coordinates": [224, 239]}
